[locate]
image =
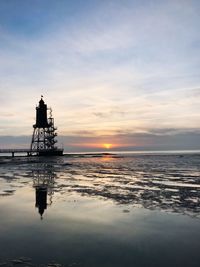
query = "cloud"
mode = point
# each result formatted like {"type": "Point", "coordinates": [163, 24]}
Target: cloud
{"type": "Point", "coordinates": [107, 68]}
{"type": "Point", "coordinates": [111, 113]}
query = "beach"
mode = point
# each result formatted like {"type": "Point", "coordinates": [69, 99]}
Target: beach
{"type": "Point", "coordinates": [100, 210]}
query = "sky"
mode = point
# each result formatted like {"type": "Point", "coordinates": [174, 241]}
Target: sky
{"type": "Point", "coordinates": [115, 72]}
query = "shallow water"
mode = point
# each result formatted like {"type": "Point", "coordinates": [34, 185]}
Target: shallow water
{"type": "Point", "coordinates": [114, 210]}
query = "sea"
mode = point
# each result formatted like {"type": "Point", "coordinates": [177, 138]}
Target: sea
{"type": "Point", "coordinates": [101, 209]}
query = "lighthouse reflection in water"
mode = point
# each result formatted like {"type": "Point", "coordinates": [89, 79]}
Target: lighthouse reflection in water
{"type": "Point", "coordinates": [43, 182]}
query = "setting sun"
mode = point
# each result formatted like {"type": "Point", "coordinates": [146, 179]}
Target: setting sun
{"type": "Point", "coordinates": [107, 146]}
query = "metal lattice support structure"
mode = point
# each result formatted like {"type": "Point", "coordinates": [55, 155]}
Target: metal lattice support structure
{"type": "Point", "coordinates": [44, 138]}
{"type": "Point", "coordinates": [44, 132]}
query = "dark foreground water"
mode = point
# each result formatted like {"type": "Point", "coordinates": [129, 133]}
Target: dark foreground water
{"type": "Point", "coordinates": [120, 210]}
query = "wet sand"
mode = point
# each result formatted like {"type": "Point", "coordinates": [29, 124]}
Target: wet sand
{"type": "Point", "coordinates": [100, 210]}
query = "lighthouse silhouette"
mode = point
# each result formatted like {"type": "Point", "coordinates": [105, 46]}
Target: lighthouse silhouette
{"type": "Point", "coordinates": [41, 115]}
{"type": "Point", "coordinates": [44, 133]}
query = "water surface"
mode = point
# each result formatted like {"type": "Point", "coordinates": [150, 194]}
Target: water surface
{"type": "Point", "coordinates": [111, 210]}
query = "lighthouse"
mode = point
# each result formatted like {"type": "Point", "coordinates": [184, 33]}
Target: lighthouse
{"type": "Point", "coordinates": [44, 132]}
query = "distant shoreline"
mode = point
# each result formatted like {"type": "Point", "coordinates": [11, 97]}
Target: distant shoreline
{"type": "Point", "coordinates": [117, 153]}
{"type": "Point", "coordinates": [132, 152]}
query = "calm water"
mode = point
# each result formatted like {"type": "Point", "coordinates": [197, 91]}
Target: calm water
{"type": "Point", "coordinates": [120, 210]}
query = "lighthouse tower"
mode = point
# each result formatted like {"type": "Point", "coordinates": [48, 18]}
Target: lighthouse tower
{"type": "Point", "coordinates": [44, 132]}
